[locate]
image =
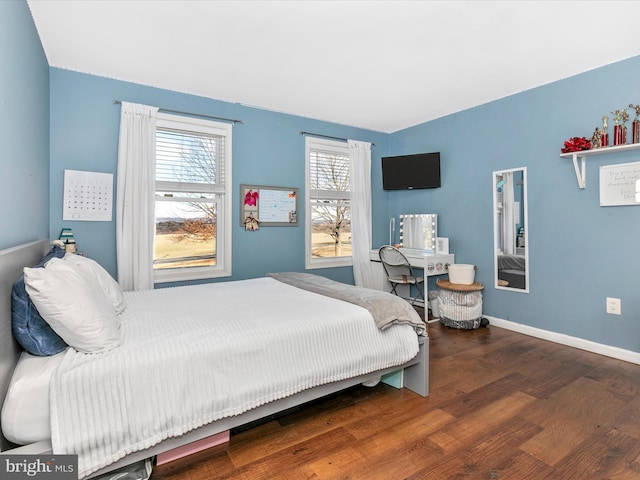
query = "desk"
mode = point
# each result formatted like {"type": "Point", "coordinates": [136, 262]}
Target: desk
{"type": "Point", "coordinates": [432, 263]}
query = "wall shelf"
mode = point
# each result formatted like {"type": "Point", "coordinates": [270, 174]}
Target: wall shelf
{"type": "Point", "coordinates": [582, 155]}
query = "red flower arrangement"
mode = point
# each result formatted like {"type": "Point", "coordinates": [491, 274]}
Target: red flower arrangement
{"type": "Point", "coordinates": [576, 144]}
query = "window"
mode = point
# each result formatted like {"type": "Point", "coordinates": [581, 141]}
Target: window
{"type": "Point", "coordinates": [328, 212]}
{"type": "Point", "coordinates": [192, 202]}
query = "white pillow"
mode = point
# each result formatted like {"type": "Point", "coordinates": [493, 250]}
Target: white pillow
{"type": "Point", "coordinates": [106, 281]}
{"type": "Point", "coordinates": [77, 310]}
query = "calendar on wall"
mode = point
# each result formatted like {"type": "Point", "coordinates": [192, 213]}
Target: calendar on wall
{"type": "Point", "coordinates": [88, 196]}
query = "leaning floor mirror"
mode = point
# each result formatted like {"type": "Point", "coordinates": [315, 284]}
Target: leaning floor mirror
{"type": "Point", "coordinates": [510, 230]}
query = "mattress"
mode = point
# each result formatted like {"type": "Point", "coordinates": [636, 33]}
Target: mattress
{"type": "Point", "coordinates": [25, 412]}
{"type": "Point", "coordinates": [192, 355]}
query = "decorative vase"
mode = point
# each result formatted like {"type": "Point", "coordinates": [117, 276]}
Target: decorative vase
{"type": "Point", "coordinates": [635, 131]}
{"type": "Point", "coordinates": [619, 135]}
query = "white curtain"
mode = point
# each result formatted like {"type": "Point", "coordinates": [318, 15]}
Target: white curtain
{"type": "Point", "coordinates": [508, 216]}
{"type": "Point", "coordinates": [360, 176]}
{"type": "Point", "coordinates": [135, 196]}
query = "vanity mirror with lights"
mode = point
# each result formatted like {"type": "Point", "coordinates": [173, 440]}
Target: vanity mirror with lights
{"type": "Point", "coordinates": [510, 230]}
{"type": "Point", "coordinates": [419, 231]}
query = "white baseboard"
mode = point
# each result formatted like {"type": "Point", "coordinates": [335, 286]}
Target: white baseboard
{"type": "Point", "coordinates": [561, 338]}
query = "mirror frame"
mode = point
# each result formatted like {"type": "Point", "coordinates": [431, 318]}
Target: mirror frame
{"type": "Point", "coordinates": [525, 219]}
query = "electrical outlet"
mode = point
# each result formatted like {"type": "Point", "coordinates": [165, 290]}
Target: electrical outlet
{"type": "Point", "coordinates": [614, 306]}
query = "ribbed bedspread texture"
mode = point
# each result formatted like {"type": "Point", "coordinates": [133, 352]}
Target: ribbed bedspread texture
{"type": "Point", "coordinates": [193, 355]}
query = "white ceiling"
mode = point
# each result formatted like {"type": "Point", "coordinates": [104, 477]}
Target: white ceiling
{"type": "Point", "coordinates": [380, 65]}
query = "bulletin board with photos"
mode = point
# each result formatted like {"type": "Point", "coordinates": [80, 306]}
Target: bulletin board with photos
{"type": "Point", "coordinates": [272, 206]}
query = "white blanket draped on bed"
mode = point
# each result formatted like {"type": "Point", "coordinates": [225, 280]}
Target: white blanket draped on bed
{"type": "Point", "coordinates": [192, 355]}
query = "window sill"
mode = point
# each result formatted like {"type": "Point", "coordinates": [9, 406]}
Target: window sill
{"type": "Point", "coordinates": [186, 274]}
{"type": "Point", "coordinates": [329, 263]}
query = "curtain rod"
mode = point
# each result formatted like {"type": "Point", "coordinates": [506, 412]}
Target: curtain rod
{"type": "Point", "coordinates": [166, 110]}
{"type": "Point", "coordinates": [327, 136]}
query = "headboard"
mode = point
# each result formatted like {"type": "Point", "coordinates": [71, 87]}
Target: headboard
{"type": "Point", "coordinates": [12, 261]}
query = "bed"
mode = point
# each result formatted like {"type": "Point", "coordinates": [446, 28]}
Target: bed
{"type": "Point", "coordinates": [511, 269]}
{"type": "Point", "coordinates": [246, 315]}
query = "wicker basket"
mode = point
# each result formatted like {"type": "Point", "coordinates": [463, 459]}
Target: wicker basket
{"type": "Point", "coordinates": [460, 309]}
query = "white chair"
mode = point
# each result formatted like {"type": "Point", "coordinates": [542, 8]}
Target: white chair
{"type": "Point", "coordinates": [399, 271]}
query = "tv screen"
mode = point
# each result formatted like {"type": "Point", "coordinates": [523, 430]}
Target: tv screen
{"type": "Point", "coordinates": [408, 172]}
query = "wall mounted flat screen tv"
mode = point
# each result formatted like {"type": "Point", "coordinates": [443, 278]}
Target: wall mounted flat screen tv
{"type": "Point", "coordinates": [408, 172]}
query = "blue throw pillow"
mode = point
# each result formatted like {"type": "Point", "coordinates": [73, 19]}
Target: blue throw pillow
{"type": "Point", "coordinates": [29, 328]}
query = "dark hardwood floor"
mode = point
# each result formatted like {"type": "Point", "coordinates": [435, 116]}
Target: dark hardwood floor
{"type": "Point", "coordinates": [502, 406]}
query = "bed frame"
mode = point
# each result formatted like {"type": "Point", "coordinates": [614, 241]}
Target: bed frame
{"type": "Point", "coordinates": [415, 373]}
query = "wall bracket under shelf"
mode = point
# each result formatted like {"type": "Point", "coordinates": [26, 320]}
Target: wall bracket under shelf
{"type": "Point", "coordinates": [580, 168]}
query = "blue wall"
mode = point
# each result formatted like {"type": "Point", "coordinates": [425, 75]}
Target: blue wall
{"type": "Point", "coordinates": [24, 127]}
{"type": "Point", "coordinates": [267, 150]}
{"type": "Point", "coordinates": [580, 252]}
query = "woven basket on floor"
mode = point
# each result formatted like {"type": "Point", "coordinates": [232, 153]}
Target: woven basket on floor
{"type": "Point", "coordinates": [459, 308]}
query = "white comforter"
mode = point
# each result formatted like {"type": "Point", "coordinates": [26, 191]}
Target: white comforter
{"type": "Point", "coordinates": [192, 355]}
